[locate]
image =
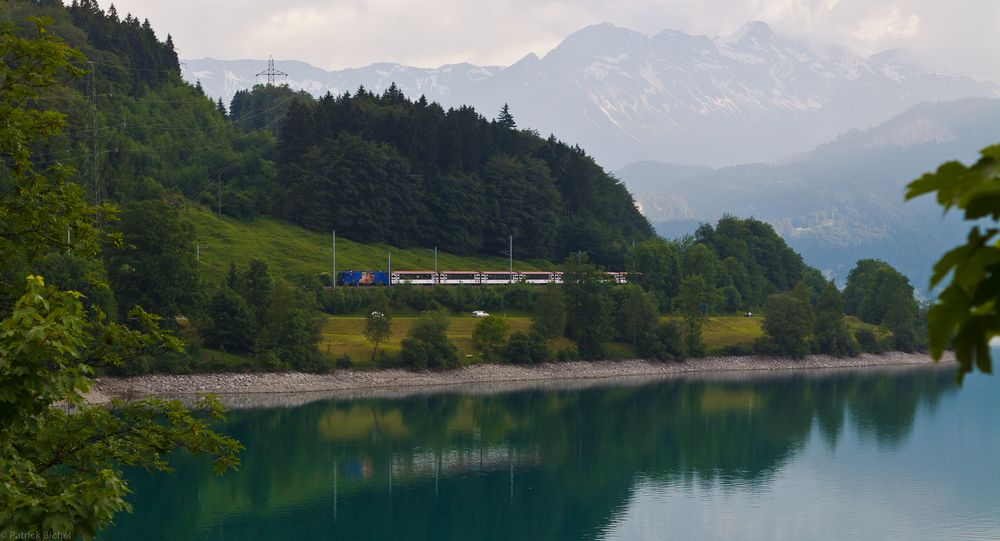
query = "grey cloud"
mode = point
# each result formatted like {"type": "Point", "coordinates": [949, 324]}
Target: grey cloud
{"type": "Point", "coordinates": [951, 36]}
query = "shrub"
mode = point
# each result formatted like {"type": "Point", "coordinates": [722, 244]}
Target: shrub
{"type": "Point", "coordinates": [489, 335]}
{"type": "Point", "coordinates": [568, 353]}
{"type": "Point", "coordinates": [664, 342]}
{"type": "Point", "coordinates": [427, 344]}
{"type": "Point", "coordinates": [869, 341]}
{"type": "Point", "coordinates": [344, 361]}
{"type": "Point", "coordinates": [526, 347]}
{"type": "Point", "coordinates": [415, 353]}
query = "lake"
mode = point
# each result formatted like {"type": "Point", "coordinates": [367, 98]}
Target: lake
{"type": "Point", "coordinates": [850, 454]}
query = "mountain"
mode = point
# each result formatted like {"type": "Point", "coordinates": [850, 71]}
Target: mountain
{"type": "Point", "coordinates": [222, 78]}
{"type": "Point", "coordinates": [672, 97]}
{"type": "Point", "coordinates": [841, 202]}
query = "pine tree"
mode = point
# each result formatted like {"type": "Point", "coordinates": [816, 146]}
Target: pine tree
{"type": "Point", "coordinates": [393, 95]}
{"type": "Point", "coordinates": [505, 119]}
{"type": "Point", "coordinates": [221, 107]}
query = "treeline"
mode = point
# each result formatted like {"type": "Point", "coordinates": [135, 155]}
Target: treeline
{"type": "Point", "coordinates": [800, 322]}
{"type": "Point", "coordinates": [134, 129]}
{"type": "Point", "coordinates": [729, 268]}
{"type": "Point", "coordinates": [386, 168]}
{"type": "Point", "coordinates": [148, 60]}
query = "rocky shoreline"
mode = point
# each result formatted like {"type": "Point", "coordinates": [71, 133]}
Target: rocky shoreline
{"type": "Point", "coordinates": [475, 378]}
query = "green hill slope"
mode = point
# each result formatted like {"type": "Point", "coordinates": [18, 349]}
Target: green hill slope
{"type": "Point", "coordinates": [294, 252]}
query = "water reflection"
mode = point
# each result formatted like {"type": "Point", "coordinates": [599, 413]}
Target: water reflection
{"type": "Point", "coordinates": [537, 464]}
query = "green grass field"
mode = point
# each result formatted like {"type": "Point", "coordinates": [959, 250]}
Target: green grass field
{"type": "Point", "coordinates": [856, 325]}
{"type": "Point", "coordinates": [292, 251]}
{"type": "Point", "coordinates": [344, 335]}
{"type": "Point", "coordinates": [726, 331]}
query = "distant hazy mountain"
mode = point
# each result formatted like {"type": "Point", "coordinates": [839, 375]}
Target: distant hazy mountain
{"type": "Point", "coordinates": [842, 201]}
{"type": "Point", "coordinates": [673, 97]}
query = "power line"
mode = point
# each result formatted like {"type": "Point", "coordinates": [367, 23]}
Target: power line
{"type": "Point", "coordinates": [134, 128]}
{"type": "Point", "coordinates": [119, 66]}
{"type": "Point", "coordinates": [93, 102]}
{"type": "Point", "coordinates": [270, 72]}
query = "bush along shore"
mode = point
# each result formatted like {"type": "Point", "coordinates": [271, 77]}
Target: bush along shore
{"type": "Point", "coordinates": [107, 388]}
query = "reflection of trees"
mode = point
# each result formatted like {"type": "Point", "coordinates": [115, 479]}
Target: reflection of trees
{"type": "Point", "coordinates": [886, 407]}
{"type": "Point", "coordinates": [575, 456]}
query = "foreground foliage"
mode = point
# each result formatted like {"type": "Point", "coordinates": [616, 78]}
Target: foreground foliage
{"type": "Point", "coordinates": [61, 458]}
{"type": "Point", "coordinates": [966, 314]}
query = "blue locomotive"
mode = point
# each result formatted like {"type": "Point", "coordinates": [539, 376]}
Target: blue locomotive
{"type": "Point", "coordinates": [362, 278]}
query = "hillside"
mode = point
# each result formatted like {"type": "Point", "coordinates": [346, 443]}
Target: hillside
{"type": "Point", "coordinates": [297, 253]}
{"type": "Point", "coordinates": [376, 167]}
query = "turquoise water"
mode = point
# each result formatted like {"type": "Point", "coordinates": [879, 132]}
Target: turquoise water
{"type": "Point", "coordinates": [872, 454]}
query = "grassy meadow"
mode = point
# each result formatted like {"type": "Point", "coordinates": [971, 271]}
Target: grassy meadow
{"type": "Point", "coordinates": [292, 251]}
{"type": "Point", "coordinates": [344, 335]}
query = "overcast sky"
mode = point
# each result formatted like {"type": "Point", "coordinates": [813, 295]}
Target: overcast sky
{"type": "Point", "coordinates": [958, 36]}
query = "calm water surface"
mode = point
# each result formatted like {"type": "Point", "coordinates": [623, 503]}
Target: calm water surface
{"type": "Point", "coordinates": [875, 454]}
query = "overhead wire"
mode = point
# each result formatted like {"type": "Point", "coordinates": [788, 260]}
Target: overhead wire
{"type": "Point", "coordinates": [77, 157]}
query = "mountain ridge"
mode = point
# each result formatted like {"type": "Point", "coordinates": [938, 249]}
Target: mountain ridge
{"type": "Point", "coordinates": [841, 202]}
{"type": "Point", "coordinates": [751, 96]}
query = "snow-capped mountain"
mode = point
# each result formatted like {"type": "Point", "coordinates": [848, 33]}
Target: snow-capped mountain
{"type": "Point", "coordinates": [222, 78]}
{"type": "Point", "coordinates": [625, 96]}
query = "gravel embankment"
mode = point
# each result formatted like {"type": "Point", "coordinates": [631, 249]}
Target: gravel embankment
{"type": "Point", "coordinates": [476, 378]}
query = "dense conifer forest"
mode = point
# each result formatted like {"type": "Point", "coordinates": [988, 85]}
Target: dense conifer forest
{"type": "Point", "coordinates": [449, 178]}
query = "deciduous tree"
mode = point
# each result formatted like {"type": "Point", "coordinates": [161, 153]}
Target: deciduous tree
{"type": "Point", "coordinates": [830, 332]}
{"type": "Point", "coordinates": [62, 469]}
{"type": "Point", "coordinates": [693, 306]}
{"type": "Point", "coordinates": [378, 322]}
{"type": "Point", "coordinates": [548, 318]}
{"type": "Point", "coordinates": [966, 313]}
{"type": "Point", "coordinates": [787, 323]}
{"type": "Point", "coordinates": [588, 307]}
{"type": "Point", "coordinates": [489, 335]}
{"type": "Point", "coordinates": [637, 314]}
{"type": "Point", "coordinates": [427, 345]}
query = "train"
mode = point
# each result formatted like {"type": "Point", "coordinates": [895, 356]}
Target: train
{"type": "Point", "coordinates": [365, 278]}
